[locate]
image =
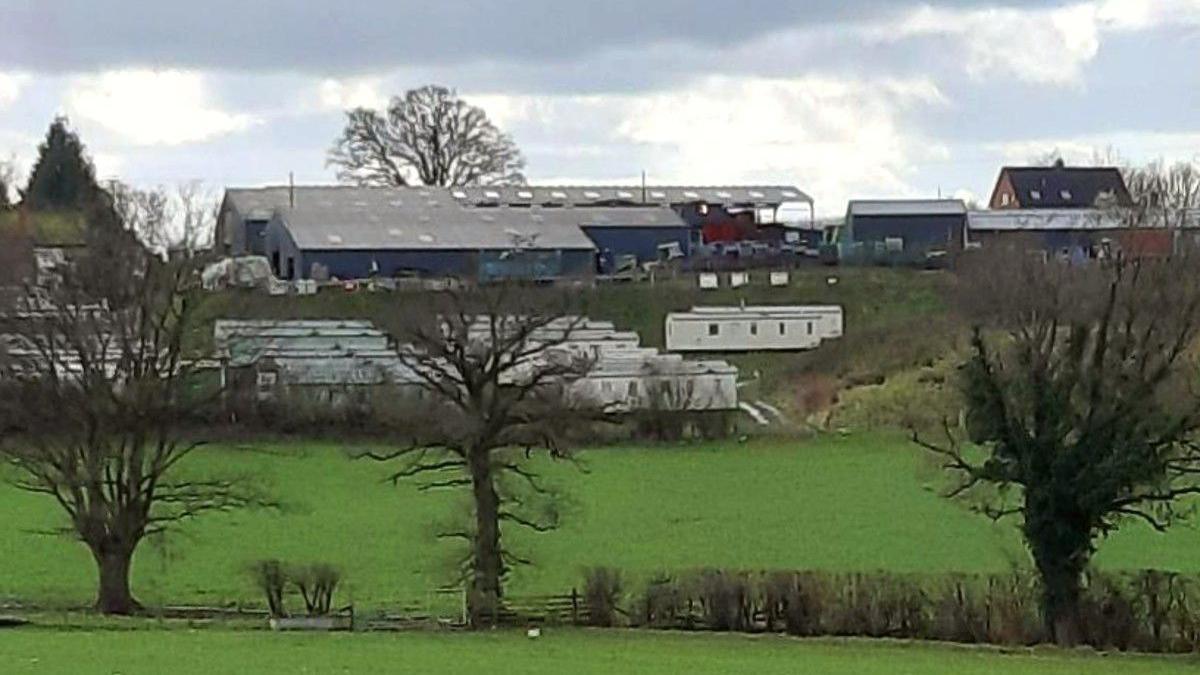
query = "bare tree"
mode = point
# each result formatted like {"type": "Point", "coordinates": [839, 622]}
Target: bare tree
{"type": "Point", "coordinates": [1163, 195]}
{"type": "Point", "coordinates": [494, 369]}
{"type": "Point", "coordinates": [178, 221]}
{"type": "Point", "coordinates": [98, 384]}
{"type": "Point", "coordinates": [1080, 408]}
{"type": "Point", "coordinates": [430, 137]}
{"type": "Point", "coordinates": [8, 182]}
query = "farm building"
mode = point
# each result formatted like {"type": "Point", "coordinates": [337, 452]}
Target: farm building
{"type": "Point", "coordinates": [902, 230]}
{"type": "Point", "coordinates": [1075, 234]}
{"type": "Point", "coordinates": [1059, 187]}
{"type": "Point", "coordinates": [744, 329]}
{"type": "Point", "coordinates": [353, 232]}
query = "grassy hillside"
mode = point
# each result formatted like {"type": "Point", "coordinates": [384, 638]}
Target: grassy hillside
{"type": "Point", "coordinates": [184, 652]}
{"type": "Point", "coordinates": [896, 319]}
{"type": "Point", "coordinates": [833, 504]}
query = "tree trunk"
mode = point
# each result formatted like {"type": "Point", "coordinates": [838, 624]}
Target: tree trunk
{"type": "Point", "coordinates": [114, 596]}
{"type": "Point", "coordinates": [1061, 607]}
{"type": "Point", "coordinates": [1061, 555]}
{"type": "Point", "coordinates": [483, 600]}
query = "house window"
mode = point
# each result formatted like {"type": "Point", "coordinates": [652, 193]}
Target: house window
{"type": "Point", "coordinates": [1035, 194]}
{"type": "Point", "coordinates": [291, 268]}
{"type": "Point", "coordinates": [754, 328]}
{"type": "Point", "coordinates": [782, 328]}
{"type": "Point", "coordinates": [1004, 198]}
{"type": "Point", "coordinates": [714, 329]}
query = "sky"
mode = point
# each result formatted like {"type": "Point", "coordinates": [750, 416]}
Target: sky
{"type": "Point", "coordinates": [841, 98]}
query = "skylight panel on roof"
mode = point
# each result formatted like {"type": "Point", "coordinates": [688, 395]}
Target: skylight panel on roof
{"type": "Point", "coordinates": [591, 194]}
{"type": "Point", "coordinates": [789, 194]}
{"type": "Point", "coordinates": [488, 218]}
{"type": "Point", "coordinates": [1035, 194]}
{"type": "Point", "coordinates": [395, 232]}
{"type": "Point", "coordinates": [658, 194]}
{"type": "Point", "coordinates": [427, 238]}
{"type": "Point", "coordinates": [1066, 194]}
{"type": "Point", "coordinates": [397, 203]}
{"type": "Point", "coordinates": [459, 194]}
{"type": "Point", "coordinates": [624, 194]}
{"type": "Point", "coordinates": [492, 194]}
{"type": "Point", "coordinates": [334, 238]}
{"type": "Point", "coordinates": [724, 194]}
{"type": "Point", "coordinates": [691, 195]}
{"type": "Point", "coordinates": [756, 194]}
{"type": "Point", "coordinates": [558, 194]}
{"type": "Point", "coordinates": [525, 194]}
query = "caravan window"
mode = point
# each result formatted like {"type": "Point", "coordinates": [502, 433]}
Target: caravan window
{"type": "Point", "coordinates": [632, 391]}
{"type": "Point", "coordinates": [810, 328]}
{"type": "Point", "coordinates": [714, 329]}
{"type": "Point", "coordinates": [754, 328]}
{"type": "Point", "coordinates": [782, 328]}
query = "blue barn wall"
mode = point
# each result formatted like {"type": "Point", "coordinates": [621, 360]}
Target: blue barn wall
{"type": "Point", "coordinates": [919, 232]}
{"type": "Point", "coordinates": [643, 242]}
{"type": "Point", "coordinates": [356, 264]}
{"type": "Point", "coordinates": [280, 247]}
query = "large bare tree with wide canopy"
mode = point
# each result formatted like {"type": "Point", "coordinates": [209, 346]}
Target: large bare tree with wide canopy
{"type": "Point", "coordinates": [428, 136]}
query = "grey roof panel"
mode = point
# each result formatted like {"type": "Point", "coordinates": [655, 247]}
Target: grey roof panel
{"type": "Point", "coordinates": [906, 207]}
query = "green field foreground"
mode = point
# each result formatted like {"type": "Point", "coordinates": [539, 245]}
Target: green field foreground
{"type": "Point", "coordinates": [839, 504]}
{"type": "Point", "coordinates": [182, 652]}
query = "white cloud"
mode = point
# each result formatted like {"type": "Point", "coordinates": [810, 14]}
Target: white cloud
{"type": "Point", "coordinates": [357, 92]}
{"type": "Point", "coordinates": [10, 87]}
{"type": "Point", "coordinates": [153, 107]}
{"type": "Point", "coordinates": [1135, 147]}
{"type": "Point", "coordinates": [832, 137]}
{"type": "Point", "coordinates": [1040, 46]}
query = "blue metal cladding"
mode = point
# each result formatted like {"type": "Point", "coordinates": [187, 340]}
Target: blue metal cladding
{"type": "Point", "coordinates": [614, 242]}
{"type": "Point", "coordinates": [918, 232]}
{"type": "Point", "coordinates": [359, 264]}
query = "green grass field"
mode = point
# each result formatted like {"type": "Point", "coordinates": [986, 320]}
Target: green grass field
{"type": "Point", "coordinates": [182, 652]}
{"type": "Point", "coordinates": [865, 503]}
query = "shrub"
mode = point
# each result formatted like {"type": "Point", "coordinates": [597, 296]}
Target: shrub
{"type": "Point", "coordinates": [316, 584]}
{"type": "Point", "coordinates": [271, 579]}
{"type": "Point", "coordinates": [602, 593]}
{"type": "Point", "coordinates": [1148, 611]}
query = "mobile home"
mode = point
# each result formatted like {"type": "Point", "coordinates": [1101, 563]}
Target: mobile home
{"type": "Point", "coordinates": [748, 329]}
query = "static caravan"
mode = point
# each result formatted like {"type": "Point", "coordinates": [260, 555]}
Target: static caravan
{"type": "Point", "coordinates": [748, 329]}
{"type": "Point", "coordinates": [662, 382]}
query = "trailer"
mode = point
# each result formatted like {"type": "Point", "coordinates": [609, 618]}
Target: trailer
{"type": "Point", "coordinates": [752, 328]}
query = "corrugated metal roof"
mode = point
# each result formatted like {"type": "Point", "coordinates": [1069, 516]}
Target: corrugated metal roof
{"type": "Point", "coordinates": [765, 195]}
{"type": "Point", "coordinates": [339, 217]}
{"type": "Point", "coordinates": [430, 224]}
{"type": "Point", "coordinates": [267, 199]}
{"type": "Point", "coordinates": [906, 207]}
{"type": "Point", "coordinates": [1043, 219]}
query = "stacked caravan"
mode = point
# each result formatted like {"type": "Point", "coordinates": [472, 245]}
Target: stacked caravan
{"type": "Point", "coordinates": [336, 361]}
{"type": "Point", "coordinates": [327, 360]}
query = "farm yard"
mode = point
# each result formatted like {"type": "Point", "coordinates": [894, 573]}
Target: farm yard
{"type": "Point", "coordinates": [857, 504]}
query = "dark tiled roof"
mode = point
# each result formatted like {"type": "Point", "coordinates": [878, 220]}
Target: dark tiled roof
{"type": "Point", "coordinates": [1064, 187]}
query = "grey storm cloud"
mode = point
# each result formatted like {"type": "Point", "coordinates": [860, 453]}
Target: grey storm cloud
{"type": "Point", "coordinates": [354, 35]}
